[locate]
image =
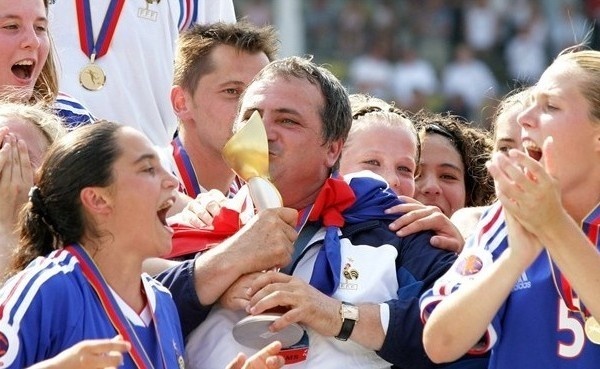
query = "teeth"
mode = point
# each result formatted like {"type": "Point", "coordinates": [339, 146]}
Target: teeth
{"type": "Point", "coordinates": [167, 204]}
{"type": "Point", "coordinates": [24, 62]}
{"type": "Point", "coordinates": [531, 146]}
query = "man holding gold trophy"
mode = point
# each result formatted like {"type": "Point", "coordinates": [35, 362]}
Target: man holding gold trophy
{"type": "Point", "coordinates": [351, 285]}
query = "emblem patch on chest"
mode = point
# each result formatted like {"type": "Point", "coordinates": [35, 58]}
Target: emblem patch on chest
{"type": "Point", "coordinates": [350, 275]}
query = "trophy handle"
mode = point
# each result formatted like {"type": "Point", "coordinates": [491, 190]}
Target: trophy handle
{"type": "Point", "coordinates": [264, 194]}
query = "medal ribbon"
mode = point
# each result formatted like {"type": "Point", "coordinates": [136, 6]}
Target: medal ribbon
{"type": "Point", "coordinates": [110, 305]}
{"type": "Point", "coordinates": [186, 169]}
{"type": "Point", "coordinates": [86, 34]}
{"type": "Point", "coordinates": [591, 227]}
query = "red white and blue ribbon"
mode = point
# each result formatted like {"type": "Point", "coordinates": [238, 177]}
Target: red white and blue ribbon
{"type": "Point", "coordinates": [591, 228]}
{"type": "Point", "coordinates": [91, 49]}
{"type": "Point", "coordinates": [186, 169]}
{"type": "Point", "coordinates": [116, 316]}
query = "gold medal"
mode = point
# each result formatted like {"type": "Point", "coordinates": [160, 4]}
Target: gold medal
{"type": "Point", "coordinates": [592, 330]}
{"type": "Point", "coordinates": [92, 77]}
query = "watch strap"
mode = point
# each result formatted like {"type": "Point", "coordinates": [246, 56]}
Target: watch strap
{"type": "Point", "coordinates": [347, 326]}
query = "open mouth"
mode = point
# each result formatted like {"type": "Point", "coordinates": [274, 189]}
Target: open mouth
{"type": "Point", "coordinates": [163, 210]}
{"type": "Point", "coordinates": [533, 150]}
{"type": "Point", "coordinates": [23, 69]}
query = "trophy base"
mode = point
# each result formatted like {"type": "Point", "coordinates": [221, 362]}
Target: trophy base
{"type": "Point", "coordinates": [253, 331]}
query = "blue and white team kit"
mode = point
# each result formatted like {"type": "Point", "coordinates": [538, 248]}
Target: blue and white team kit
{"type": "Point", "coordinates": [61, 299]}
{"type": "Point", "coordinates": [539, 325]}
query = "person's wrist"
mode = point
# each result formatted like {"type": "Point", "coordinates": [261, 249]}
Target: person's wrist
{"type": "Point", "coordinates": [349, 315]}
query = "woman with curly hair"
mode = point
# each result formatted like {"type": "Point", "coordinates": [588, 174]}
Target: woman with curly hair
{"type": "Point", "coordinates": [452, 166]}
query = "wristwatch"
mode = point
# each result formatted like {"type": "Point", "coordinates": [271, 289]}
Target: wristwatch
{"type": "Point", "coordinates": [349, 316]}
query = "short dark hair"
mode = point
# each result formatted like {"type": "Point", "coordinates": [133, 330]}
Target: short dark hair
{"type": "Point", "coordinates": [195, 45]}
{"type": "Point", "coordinates": [336, 114]}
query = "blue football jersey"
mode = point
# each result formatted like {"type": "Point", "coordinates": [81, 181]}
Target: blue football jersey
{"type": "Point", "coordinates": [533, 328]}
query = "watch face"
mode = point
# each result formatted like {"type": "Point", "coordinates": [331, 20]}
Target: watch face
{"type": "Point", "coordinates": [350, 312]}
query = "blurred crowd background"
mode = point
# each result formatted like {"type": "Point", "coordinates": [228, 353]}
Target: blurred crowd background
{"type": "Point", "coordinates": [460, 56]}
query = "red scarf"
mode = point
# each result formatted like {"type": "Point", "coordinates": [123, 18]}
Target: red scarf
{"type": "Point", "coordinates": [334, 198]}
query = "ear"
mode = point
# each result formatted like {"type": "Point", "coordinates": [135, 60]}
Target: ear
{"type": "Point", "coordinates": [333, 152]}
{"type": "Point", "coordinates": [95, 200]}
{"type": "Point", "coordinates": [179, 102]}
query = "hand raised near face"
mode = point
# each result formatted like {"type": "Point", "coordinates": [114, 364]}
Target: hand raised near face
{"type": "Point", "coordinates": [528, 189]}
{"type": "Point", "coordinates": [16, 178]}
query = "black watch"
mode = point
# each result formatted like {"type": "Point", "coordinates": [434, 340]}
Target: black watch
{"type": "Point", "coordinates": [349, 316]}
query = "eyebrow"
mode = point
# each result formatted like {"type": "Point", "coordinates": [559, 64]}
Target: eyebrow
{"type": "Point", "coordinates": [451, 166]}
{"type": "Point", "coordinates": [17, 17]}
{"type": "Point", "coordinates": [145, 157]}
{"type": "Point", "coordinates": [280, 111]}
{"type": "Point", "coordinates": [506, 139]}
{"type": "Point", "coordinates": [232, 82]}
{"type": "Point", "coordinates": [289, 111]}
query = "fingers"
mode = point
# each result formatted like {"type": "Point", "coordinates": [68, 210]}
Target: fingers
{"type": "Point", "coordinates": [213, 202]}
{"type": "Point", "coordinates": [275, 362]}
{"type": "Point", "coordinates": [5, 156]}
{"type": "Point", "coordinates": [115, 344]}
{"type": "Point", "coordinates": [15, 164]}
{"type": "Point", "coordinates": [516, 173]}
{"type": "Point", "coordinates": [238, 362]}
{"type": "Point", "coordinates": [549, 156]}
{"type": "Point", "coordinates": [409, 200]}
{"type": "Point", "coordinates": [236, 296]}
{"type": "Point", "coordinates": [288, 215]}
{"type": "Point", "coordinates": [416, 220]}
{"type": "Point", "coordinates": [201, 211]}
{"type": "Point", "coordinates": [271, 349]}
{"type": "Point", "coordinates": [3, 133]}
{"type": "Point", "coordinates": [100, 353]}
{"type": "Point", "coordinates": [263, 280]}
{"type": "Point", "coordinates": [197, 215]}
{"type": "Point", "coordinates": [24, 162]}
{"type": "Point", "coordinates": [8, 157]}
{"type": "Point", "coordinates": [268, 356]}
{"type": "Point", "coordinates": [448, 243]}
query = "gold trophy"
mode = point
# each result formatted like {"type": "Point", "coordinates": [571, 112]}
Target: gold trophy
{"type": "Point", "coordinates": [247, 154]}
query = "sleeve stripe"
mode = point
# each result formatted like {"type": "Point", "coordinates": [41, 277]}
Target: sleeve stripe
{"type": "Point", "coordinates": [34, 277]}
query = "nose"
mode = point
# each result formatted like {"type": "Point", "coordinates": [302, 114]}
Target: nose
{"type": "Point", "coordinates": [269, 127]}
{"type": "Point", "coordinates": [428, 185]}
{"type": "Point", "coordinates": [392, 179]}
{"type": "Point", "coordinates": [527, 117]}
{"type": "Point", "coordinates": [30, 39]}
{"type": "Point", "coordinates": [169, 180]}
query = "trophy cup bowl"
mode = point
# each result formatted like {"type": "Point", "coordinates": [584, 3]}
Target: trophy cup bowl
{"type": "Point", "coordinates": [247, 154]}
